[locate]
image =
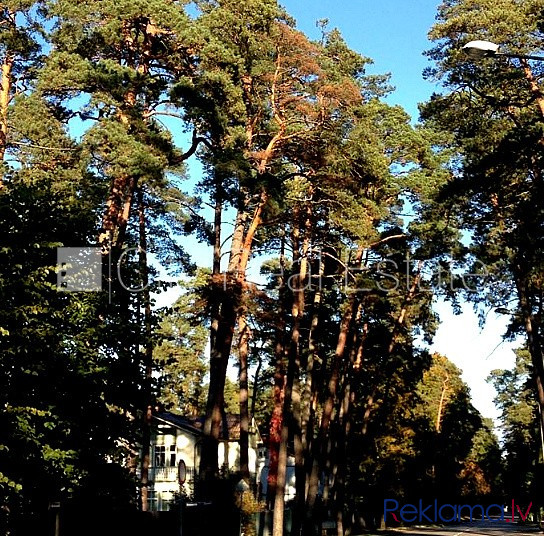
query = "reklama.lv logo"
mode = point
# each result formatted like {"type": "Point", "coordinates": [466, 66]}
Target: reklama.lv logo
{"type": "Point", "coordinates": [449, 513]}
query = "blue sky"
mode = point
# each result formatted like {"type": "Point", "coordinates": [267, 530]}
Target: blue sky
{"type": "Point", "coordinates": [394, 34]}
{"type": "Point", "coordinates": [391, 32]}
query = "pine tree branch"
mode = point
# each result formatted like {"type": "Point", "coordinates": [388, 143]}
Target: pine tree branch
{"type": "Point", "coordinates": [197, 140]}
{"type": "Point", "coordinates": [35, 146]}
{"type": "Point", "coordinates": [386, 239]}
{"type": "Point", "coordinates": [162, 112]}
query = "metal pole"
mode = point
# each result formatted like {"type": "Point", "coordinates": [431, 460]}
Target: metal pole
{"type": "Point", "coordinates": [518, 56]}
{"type": "Point", "coordinates": [181, 517]}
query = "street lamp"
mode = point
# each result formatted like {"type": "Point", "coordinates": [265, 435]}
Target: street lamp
{"type": "Point", "coordinates": [476, 50]}
{"type": "Point", "coordinates": [485, 49]}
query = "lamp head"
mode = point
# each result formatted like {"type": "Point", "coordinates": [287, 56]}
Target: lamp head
{"type": "Point", "coordinates": [480, 49]}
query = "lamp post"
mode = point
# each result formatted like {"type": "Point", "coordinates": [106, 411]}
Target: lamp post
{"type": "Point", "coordinates": [485, 49]}
{"type": "Point", "coordinates": [476, 50]}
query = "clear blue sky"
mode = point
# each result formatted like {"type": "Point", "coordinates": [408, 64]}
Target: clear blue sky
{"type": "Point", "coordinates": [391, 32]}
{"type": "Point", "coordinates": [394, 34]}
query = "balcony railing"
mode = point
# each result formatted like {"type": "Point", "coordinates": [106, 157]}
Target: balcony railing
{"type": "Point", "coordinates": [168, 474]}
{"type": "Point", "coordinates": [164, 474]}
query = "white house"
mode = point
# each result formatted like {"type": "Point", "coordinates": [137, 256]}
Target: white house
{"type": "Point", "coordinates": [176, 441]}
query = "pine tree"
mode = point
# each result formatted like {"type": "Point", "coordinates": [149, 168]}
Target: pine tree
{"type": "Point", "coordinates": [493, 119]}
{"type": "Point", "coordinates": [519, 423]}
{"type": "Point", "coordinates": [20, 55]}
{"type": "Point", "coordinates": [180, 354]}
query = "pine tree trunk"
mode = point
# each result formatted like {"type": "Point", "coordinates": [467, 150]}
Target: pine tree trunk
{"type": "Point", "coordinates": [218, 369]}
{"type": "Point", "coordinates": [533, 84]}
{"type": "Point", "coordinates": [438, 423]}
{"type": "Point", "coordinates": [288, 417]}
{"type": "Point", "coordinates": [148, 355]}
{"type": "Point", "coordinates": [243, 351]}
{"type": "Point", "coordinates": [342, 456]}
{"type": "Point", "coordinates": [533, 333]}
{"type": "Point", "coordinates": [5, 95]}
{"type": "Point", "coordinates": [300, 411]}
{"type": "Point", "coordinates": [5, 92]}
{"type": "Point", "coordinates": [300, 469]}
{"type": "Point", "coordinates": [123, 187]}
{"type": "Point", "coordinates": [231, 288]}
{"type": "Point", "coordinates": [322, 443]}
{"type": "Point", "coordinates": [215, 295]}
{"type": "Point", "coordinates": [309, 399]}
{"type": "Point", "coordinates": [369, 405]}
{"type": "Point", "coordinates": [281, 481]}
{"type": "Point", "coordinates": [308, 394]}
{"type": "Point", "coordinates": [255, 388]}
{"type": "Point", "coordinates": [116, 215]}
{"type": "Point", "coordinates": [218, 214]}
{"type": "Point", "coordinates": [226, 290]}
{"type": "Point", "coordinates": [343, 423]}
{"type": "Point", "coordinates": [274, 436]}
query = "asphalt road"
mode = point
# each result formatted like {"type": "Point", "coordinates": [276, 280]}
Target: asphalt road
{"type": "Point", "coordinates": [480, 528]}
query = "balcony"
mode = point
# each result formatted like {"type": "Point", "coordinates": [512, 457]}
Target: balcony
{"type": "Point", "coordinates": [163, 474]}
{"type": "Point", "coordinates": [168, 474]}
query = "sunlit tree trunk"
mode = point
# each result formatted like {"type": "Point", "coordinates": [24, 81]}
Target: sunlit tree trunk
{"type": "Point", "coordinates": [231, 287]}
{"type": "Point", "coordinates": [5, 96]}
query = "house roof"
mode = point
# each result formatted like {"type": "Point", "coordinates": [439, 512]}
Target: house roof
{"type": "Point", "coordinates": [178, 421]}
{"type": "Point", "coordinates": [195, 425]}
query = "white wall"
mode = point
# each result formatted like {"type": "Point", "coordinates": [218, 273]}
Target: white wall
{"type": "Point", "coordinates": [165, 484]}
{"type": "Point", "coordinates": [165, 480]}
{"type": "Point", "coordinates": [233, 458]}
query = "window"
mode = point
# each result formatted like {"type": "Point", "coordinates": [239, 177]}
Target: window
{"type": "Point", "coordinates": [166, 501]}
{"type": "Point", "coordinates": [152, 503]}
{"type": "Point", "coordinates": [160, 456]}
{"type": "Point", "coordinates": [165, 456]}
